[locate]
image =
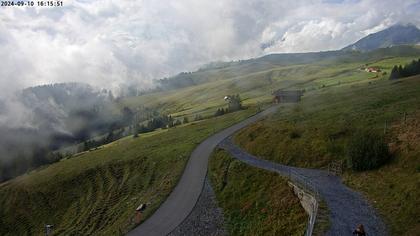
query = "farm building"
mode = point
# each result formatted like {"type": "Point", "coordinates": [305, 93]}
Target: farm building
{"type": "Point", "coordinates": [373, 69]}
{"type": "Point", "coordinates": [283, 96]}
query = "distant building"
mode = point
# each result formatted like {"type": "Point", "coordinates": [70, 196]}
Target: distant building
{"type": "Point", "coordinates": [373, 69]}
{"type": "Point", "coordinates": [284, 96]}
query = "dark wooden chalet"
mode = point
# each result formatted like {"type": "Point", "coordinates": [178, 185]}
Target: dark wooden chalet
{"type": "Point", "coordinates": [284, 96]}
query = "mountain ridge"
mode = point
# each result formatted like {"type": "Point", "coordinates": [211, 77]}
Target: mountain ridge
{"type": "Point", "coordinates": [395, 35]}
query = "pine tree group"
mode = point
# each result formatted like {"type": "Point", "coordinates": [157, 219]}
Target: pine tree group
{"type": "Point", "coordinates": [408, 70]}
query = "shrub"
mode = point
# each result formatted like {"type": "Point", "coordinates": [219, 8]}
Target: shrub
{"type": "Point", "coordinates": [177, 122]}
{"type": "Point", "coordinates": [294, 134]}
{"type": "Point", "coordinates": [198, 117]}
{"type": "Point", "coordinates": [367, 150]}
{"type": "Point", "coordinates": [220, 112]}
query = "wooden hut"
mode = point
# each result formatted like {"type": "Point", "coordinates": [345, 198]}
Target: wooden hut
{"type": "Point", "coordinates": [287, 96]}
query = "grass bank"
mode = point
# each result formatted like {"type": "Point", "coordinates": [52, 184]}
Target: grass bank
{"type": "Point", "coordinates": [97, 192]}
{"type": "Point", "coordinates": [317, 131]}
{"type": "Point", "coordinates": [254, 201]}
{"type": "Point", "coordinates": [395, 188]}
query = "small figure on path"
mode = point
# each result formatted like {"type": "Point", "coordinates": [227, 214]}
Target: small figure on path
{"type": "Point", "coordinates": [360, 231]}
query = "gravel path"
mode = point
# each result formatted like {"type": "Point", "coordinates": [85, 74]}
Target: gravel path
{"type": "Point", "coordinates": [206, 219]}
{"type": "Point", "coordinates": [347, 208]}
{"type": "Point", "coordinates": [181, 201]}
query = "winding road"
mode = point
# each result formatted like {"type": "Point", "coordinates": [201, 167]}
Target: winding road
{"type": "Point", "coordinates": [183, 198]}
{"type": "Point", "coordinates": [346, 207]}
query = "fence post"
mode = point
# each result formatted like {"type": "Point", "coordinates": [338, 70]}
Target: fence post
{"type": "Point", "coordinates": [385, 127]}
{"type": "Point", "coordinates": [329, 169]}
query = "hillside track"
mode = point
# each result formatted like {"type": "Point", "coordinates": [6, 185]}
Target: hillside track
{"type": "Point", "coordinates": [347, 208]}
{"type": "Point", "coordinates": [185, 195]}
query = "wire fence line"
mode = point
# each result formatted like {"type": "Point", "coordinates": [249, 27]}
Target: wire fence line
{"type": "Point", "coordinates": [305, 184]}
{"type": "Point", "coordinates": [298, 179]}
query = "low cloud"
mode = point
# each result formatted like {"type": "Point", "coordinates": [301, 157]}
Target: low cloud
{"type": "Point", "coordinates": [108, 43]}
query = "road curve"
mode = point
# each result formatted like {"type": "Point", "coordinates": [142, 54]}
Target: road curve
{"type": "Point", "coordinates": [183, 198]}
{"type": "Point", "coordinates": [346, 207]}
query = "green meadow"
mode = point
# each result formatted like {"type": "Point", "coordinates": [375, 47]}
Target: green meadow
{"type": "Point", "coordinates": [96, 192]}
{"type": "Point", "coordinates": [317, 131]}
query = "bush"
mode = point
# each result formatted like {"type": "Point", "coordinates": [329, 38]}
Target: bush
{"type": "Point", "coordinates": [177, 122]}
{"type": "Point", "coordinates": [367, 150]}
{"type": "Point", "coordinates": [198, 117]}
{"type": "Point", "coordinates": [294, 134]}
{"type": "Point", "coordinates": [220, 112]}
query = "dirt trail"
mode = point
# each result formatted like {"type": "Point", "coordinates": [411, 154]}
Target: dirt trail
{"type": "Point", "coordinates": [347, 208]}
{"type": "Point", "coordinates": [185, 195]}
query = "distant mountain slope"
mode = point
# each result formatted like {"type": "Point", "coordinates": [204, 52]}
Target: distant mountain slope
{"type": "Point", "coordinates": [56, 115]}
{"type": "Point", "coordinates": [74, 108]}
{"type": "Point", "coordinates": [228, 70]}
{"type": "Point", "coordinates": [395, 35]}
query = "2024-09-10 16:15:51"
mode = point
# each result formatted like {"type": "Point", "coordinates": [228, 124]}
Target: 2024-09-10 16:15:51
{"type": "Point", "coordinates": [32, 3]}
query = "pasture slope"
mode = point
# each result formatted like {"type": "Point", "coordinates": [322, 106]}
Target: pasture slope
{"type": "Point", "coordinates": [316, 132]}
{"type": "Point", "coordinates": [96, 192]}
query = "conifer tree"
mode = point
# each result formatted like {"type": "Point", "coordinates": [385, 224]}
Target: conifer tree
{"type": "Point", "coordinates": [394, 73]}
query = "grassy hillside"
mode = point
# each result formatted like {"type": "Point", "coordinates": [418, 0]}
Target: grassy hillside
{"type": "Point", "coordinates": [255, 202]}
{"type": "Point", "coordinates": [395, 188]}
{"type": "Point", "coordinates": [317, 131]}
{"type": "Point", "coordinates": [255, 79]}
{"type": "Point", "coordinates": [312, 133]}
{"type": "Point", "coordinates": [98, 191]}
{"type": "Point", "coordinates": [225, 70]}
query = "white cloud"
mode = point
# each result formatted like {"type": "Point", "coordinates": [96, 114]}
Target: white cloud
{"type": "Point", "coordinates": [110, 42]}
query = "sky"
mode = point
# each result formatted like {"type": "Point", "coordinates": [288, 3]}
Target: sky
{"type": "Point", "coordinates": [107, 43]}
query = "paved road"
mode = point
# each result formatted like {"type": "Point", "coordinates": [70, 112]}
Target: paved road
{"type": "Point", "coordinates": [183, 198]}
{"type": "Point", "coordinates": [347, 208]}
